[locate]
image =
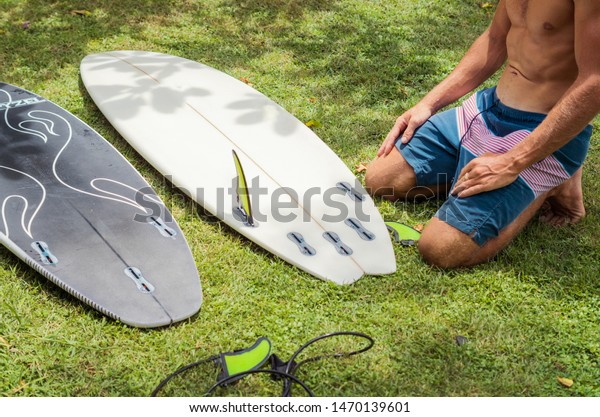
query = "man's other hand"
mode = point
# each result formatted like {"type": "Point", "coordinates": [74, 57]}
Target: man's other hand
{"type": "Point", "coordinates": [405, 126]}
{"type": "Point", "coordinates": [488, 172]}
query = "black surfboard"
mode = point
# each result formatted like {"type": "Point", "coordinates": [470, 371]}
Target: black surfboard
{"type": "Point", "coordinates": [75, 210]}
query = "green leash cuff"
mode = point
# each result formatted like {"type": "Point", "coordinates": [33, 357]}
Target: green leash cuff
{"type": "Point", "coordinates": [244, 360]}
{"type": "Point", "coordinates": [405, 235]}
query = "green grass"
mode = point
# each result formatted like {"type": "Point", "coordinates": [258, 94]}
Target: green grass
{"type": "Point", "coordinates": [530, 315]}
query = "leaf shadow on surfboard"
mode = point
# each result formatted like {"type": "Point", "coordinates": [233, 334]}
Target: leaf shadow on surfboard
{"type": "Point", "coordinates": [253, 107]}
{"type": "Point", "coordinates": [256, 107]}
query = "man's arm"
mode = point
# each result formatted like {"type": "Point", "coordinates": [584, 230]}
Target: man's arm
{"type": "Point", "coordinates": [577, 107]}
{"type": "Point", "coordinates": [481, 61]}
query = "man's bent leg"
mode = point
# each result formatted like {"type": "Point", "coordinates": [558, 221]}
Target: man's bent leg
{"type": "Point", "coordinates": [392, 178]}
{"type": "Point", "coordinates": [445, 246]}
{"type": "Point", "coordinates": [421, 168]}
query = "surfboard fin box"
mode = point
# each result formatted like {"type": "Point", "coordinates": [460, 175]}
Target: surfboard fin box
{"type": "Point", "coordinates": [357, 226]}
{"type": "Point", "coordinates": [45, 255]}
{"type": "Point", "coordinates": [164, 230]}
{"type": "Point", "coordinates": [140, 281]}
{"type": "Point", "coordinates": [403, 234]}
{"type": "Point", "coordinates": [352, 192]}
{"type": "Point", "coordinates": [243, 211]}
{"type": "Point", "coordinates": [340, 246]}
{"type": "Point", "coordinates": [304, 247]}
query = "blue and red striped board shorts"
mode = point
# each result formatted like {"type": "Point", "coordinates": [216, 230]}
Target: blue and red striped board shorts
{"type": "Point", "coordinates": [482, 124]}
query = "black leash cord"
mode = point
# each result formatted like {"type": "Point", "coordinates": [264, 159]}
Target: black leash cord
{"type": "Point", "coordinates": [181, 370]}
{"type": "Point", "coordinates": [293, 367]}
{"type": "Point", "coordinates": [281, 374]}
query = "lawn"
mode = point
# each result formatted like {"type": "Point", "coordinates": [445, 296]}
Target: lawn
{"type": "Point", "coordinates": [530, 316]}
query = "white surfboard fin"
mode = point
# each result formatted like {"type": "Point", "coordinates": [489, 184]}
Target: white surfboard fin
{"type": "Point", "coordinates": [243, 211]}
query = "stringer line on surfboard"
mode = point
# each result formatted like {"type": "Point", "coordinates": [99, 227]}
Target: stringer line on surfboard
{"type": "Point", "coordinates": [130, 271]}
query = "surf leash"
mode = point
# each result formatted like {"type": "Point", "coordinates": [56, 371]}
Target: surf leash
{"type": "Point", "coordinates": [238, 364]}
{"type": "Point", "coordinates": [403, 234]}
{"type": "Point", "coordinates": [291, 366]}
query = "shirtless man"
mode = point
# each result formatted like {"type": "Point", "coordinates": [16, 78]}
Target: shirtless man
{"type": "Point", "coordinates": [509, 149]}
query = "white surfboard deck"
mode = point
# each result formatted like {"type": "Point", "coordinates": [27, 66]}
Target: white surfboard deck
{"type": "Point", "coordinates": [185, 118]}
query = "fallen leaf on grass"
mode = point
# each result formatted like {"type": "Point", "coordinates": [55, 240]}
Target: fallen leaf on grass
{"type": "Point", "coordinates": [89, 368]}
{"type": "Point", "coordinates": [22, 385]}
{"type": "Point", "coordinates": [313, 123]}
{"type": "Point", "coordinates": [4, 342]}
{"type": "Point", "coordinates": [361, 167]}
{"type": "Point", "coordinates": [246, 80]}
{"type": "Point", "coordinates": [486, 5]}
{"type": "Point", "coordinates": [83, 13]}
{"type": "Point", "coordinates": [419, 227]}
{"type": "Point", "coordinates": [566, 382]}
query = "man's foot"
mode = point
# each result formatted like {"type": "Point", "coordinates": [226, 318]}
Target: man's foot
{"type": "Point", "coordinates": [564, 205]}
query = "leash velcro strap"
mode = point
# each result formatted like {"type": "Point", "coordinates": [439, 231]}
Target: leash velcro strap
{"type": "Point", "coordinates": [277, 364]}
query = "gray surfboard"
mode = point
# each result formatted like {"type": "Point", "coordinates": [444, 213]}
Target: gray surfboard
{"type": "Point", "coordinates": [77, 212]}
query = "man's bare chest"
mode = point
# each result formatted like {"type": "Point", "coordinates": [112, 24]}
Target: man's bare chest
{"type": "Point", "coordinates": [541, 15]}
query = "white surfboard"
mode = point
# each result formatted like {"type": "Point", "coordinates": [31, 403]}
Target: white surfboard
{"type": "Point", "coordinates": [198, 126]}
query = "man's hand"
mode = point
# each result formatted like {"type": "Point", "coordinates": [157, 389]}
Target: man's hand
{"type": "Point", "coordinates": [405, 126]}
{"type": "Point", "coordinates": [486, 173]}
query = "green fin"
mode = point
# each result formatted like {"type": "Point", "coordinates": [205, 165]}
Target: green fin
{"type": "Point", "coordinates": [404, 234]}
{"type": "Point", "coordinates": [254, 357]}
{"type": "Point", "coordinates": [243, 196]}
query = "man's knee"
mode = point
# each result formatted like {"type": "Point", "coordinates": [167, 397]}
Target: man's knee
{"type": "Point", "coordinates": [377, 180]}
{"type": "Point", "coordinates": [390, 176]}
{"type": "Point", "coordinates": [444, 246]}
